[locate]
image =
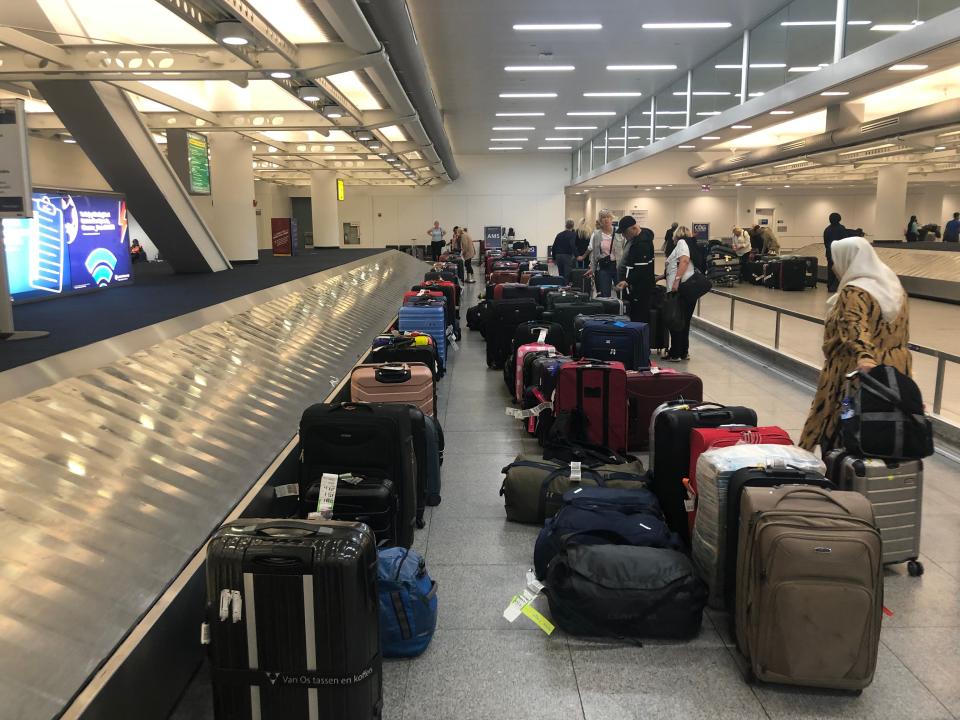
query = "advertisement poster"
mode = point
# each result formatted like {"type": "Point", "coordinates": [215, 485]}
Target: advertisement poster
{"type": "Point", "coordinates": [198, 164]}
{"type": "Point", "coordinates": [492, 236]}
{"type": "Point", "coordinates": [73, 242]}
{"type": "Point", "coordinates": [701, 231]}
{"type": "Point", "coordinates": [282, 234]}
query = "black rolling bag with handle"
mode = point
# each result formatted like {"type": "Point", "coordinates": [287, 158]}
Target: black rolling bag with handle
{"type": "Point", "coordinates": [293, 621]}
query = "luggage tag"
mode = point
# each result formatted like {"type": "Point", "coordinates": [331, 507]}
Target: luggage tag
{"type": "Point", "coordinates": [575, 471]}
{"type": "Point", "coordinates": [529, 412]}
{"type": "Point", "coordinates": [690, 499]}
{"type": "Point", "coordinates": [542, 336]}
{"type": "Point", "coordinates": [290, 490]}
{"type": "Point", "coordinates": [327, 496]}
{"type": "Point", "coordinates": [521, 604]}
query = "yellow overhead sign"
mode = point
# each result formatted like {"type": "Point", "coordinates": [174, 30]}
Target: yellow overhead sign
{"type": "Point", "coordinates": [339, 189]}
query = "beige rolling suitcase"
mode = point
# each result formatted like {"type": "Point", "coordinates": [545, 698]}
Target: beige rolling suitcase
{"type": "Point", "coordinates": [809, 586]}
{"type": "Point", "coordinates": [409, 383]}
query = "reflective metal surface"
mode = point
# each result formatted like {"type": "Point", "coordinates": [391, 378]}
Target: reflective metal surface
{"type": "Point", "coordinates": [110, 481]}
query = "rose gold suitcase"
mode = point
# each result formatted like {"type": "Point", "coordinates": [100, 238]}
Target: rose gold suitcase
{"type": "Point", "coordinates": [409, 383]}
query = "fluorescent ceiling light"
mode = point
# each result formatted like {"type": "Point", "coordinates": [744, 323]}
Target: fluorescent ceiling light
{"type": "Point", "coordinates": [686, 26]}
{"type": "Point", "coordinates": [669, 112]}
{"type": "Point", "coordinates": [756, 94]}
{"type": "Point", "coordinates": [938, 147]}
{"type": "Point", "coordinates": [708, 114]}
{"type": "Point", "coordinates": [638, 137]}
{"type": "Point", "coordinates": [562, 139]}
{"type": "Point", "coordinates": [687, 147]}
{"type": "Point", "coordinates": [520, 114]}
{"type": "Point", "coordinates": [351, 85]}
{"type": "Point", "coordinates": [613, 94]}
{"type": "Point", "coordinates": [627, 68]}
{"type": "Point", "coordinates": [393, 133]}
{"type": "Point", "coordinates": [781, 112]}
{"type": "Point", "coordinates": [737, 184]}
{"type": "Point", "coordinates": [706, 93]}
{"type": "Point", "coordinates": [505, 147]}
{"type": "Point", "coordinates": [804, 68]}
{"type": "Point", "coordinates": [820, 23]}
{"type": "Point", "coordinates": [539, 68]}
{"type": "Point", "coordinates": [710, 137]}
{"type": "Point", "coordinates": [558, 26]}
{"type": "Point", "coordinates": [728, 67]}
{"type": "Point", "coordinates": [741, 127]}
{"type": "Point", "coordinates": [280, 75]}
{"type": "Point", "coordinates": [510, 129]}
{"type": "Point", "coordinates": [907, 67]}
{"type": "Point", "coordinates": [862, 150]}
{"type": "Point", "coordinates": [588, 113]}
{"type": "Point", "coordinates": [528, 95]}
{"type": "Point", "coordinates": [70, 141]}
{"type": "Point", "coordinates": [766, 66]}
{"type": "Point", "coordinates": [835, 93]}
{"type": "Point", "coordinates": [896, 27]}
{"type": "Point", "coordinates": [554, 147]}
{"type": "Point", "coordinates": [510, 139]}
{"type": "Point", "coordinates": [575, 127]}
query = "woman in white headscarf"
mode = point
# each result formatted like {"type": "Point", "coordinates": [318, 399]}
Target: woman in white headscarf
{"type": "Point", "coordinates": [867, 324]}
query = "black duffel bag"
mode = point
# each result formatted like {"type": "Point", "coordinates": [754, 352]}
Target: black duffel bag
{"type": "Point", "coordinates": [882, 416]}
{"type": "Point", "coordinates": [624, 591]}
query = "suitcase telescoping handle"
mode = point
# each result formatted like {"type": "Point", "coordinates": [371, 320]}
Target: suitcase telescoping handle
{"type": "Point", "coordinates": [392, 374]}
{"type": "Point", "coordinates": [351, 406]}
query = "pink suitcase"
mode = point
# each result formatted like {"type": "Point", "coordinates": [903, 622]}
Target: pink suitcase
{"type": "Point", "coordinates": [521, 353]}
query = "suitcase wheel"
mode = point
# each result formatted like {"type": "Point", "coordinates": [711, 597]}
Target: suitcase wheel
{"type": "Point", "coordinates": [915, 568]}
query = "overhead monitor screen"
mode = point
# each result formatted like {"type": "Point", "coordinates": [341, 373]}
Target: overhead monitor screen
{"type": "Point", "coordinates": [74, 242]}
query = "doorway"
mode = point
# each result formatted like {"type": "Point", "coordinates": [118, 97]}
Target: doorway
{"type": "Point", "coordinates": [302, 210]}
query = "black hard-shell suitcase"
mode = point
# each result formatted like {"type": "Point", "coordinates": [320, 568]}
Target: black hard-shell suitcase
{"type": "Point", "coordinates": [811, 271]}
{"type": "Point", "coordinates": [542, 280]}
{"type": "Point", "coordinates": [371, 440]}
{"type": "Point", "coordinates": [554, 298]}
{"type": "Point", "coordinates": [793, 274]}
{"type": "Point", "coordinates": [293, 620]}
{"type": "Point", "coordinates": [580, 281]}
{"type": "Point", "coordinates": [540, 331]}
{"type": "Point", "coordinates": [671, 460]}
{"type": "Point", "coordinates": [502, 320]}
{"type": "Point", "coordinates": [566, 314]}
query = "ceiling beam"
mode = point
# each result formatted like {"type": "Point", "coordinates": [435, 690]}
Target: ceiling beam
{"type": "Point", "coordinates": [37, 48]}
{"type": "Point", "coordinates": [150, 93]}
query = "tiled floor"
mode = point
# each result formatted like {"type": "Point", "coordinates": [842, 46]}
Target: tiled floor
{"type": "Point", "coordinates": [480, 666]}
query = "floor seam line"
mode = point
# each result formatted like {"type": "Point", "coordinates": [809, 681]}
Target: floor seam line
{"type": "Point", "coordinates": [576, 680]}
{"type": "Point", "coordinates": [917, 678]}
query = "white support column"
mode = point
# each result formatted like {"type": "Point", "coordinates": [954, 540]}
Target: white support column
{"type": "Point", "coordinates": [840, 34]}
{"type": "Point", "coordinates": [891, 217]}
{"type": "Point", "coordinates": [653, 119]}
{"type": "Point", "coordinates": [323, 200]}
{"type": "Point", "coordinates": [232, 218]}
{"type": "Point", "coordinates": [745, 69]}
{"type": "Point", "coordinates": [689, 95]}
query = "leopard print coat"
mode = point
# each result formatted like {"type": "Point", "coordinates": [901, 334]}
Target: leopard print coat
{"type": "Point", "coordinates": [855, 330]}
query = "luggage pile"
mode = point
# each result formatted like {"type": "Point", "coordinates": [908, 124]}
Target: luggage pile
{"type": "Point", "coordinates": [723, 266]}
{"type": "Point", "coordinates": [302, 607]}
{"type": "Point", "coordinates": [782, 272]}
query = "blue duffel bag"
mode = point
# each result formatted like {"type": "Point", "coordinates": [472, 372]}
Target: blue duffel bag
{"type": "Point", "coordinates": [604, 515]}
{"type": "Point", "coordinates": [408, 602]}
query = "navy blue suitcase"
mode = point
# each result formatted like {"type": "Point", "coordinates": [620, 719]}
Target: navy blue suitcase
{"type": "Point", "coordinates": [615, 340]}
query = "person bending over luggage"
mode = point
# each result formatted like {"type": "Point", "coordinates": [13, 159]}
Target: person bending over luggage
{"type": "Point", "coordinates": [564, 249]}
{"type": "Point", "coordinates": [680, 268]}
{"type": "Point", "coordinates": [635, 269]}
{"type": "Point", "coordinates": [867, 324]}
{"type": "Point", "coordinates": [467, 252]}
{"type": "Point", "coordinates": [605, 249]}
{"type": "Point", "coordinates": [771, 245]}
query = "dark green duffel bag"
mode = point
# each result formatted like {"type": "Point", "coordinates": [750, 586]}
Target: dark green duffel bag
{"type": "Point", "coordinates": [533, 488]}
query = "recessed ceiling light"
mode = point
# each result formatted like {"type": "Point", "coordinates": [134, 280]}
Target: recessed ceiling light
{"type": "Point", "coordinates": [588, 113]}
{"type": "Point", "coordinates": [895, 27]}
{"type": "Point", "coordinates": [539, 68]}
{"type": "Point", "coordinates": [781, 112]}
{"type": "Point", "coordinates": [741, 127]}
{"type": "Point", "coordinates": [505, 147]}
{"type": "Point", "coordinates": [558, 26]}
{"type": "Point", "coordinates": [786, 186]}
{"type": "Point", "coordinates": [309, 93]}
{"type": "Point", "coordinates": [613, 94]}
{"type": "Point", "coordinates": [686, 26]}
{"type": "Point", "coordinates": [509, 139]}
{"type": "Point", "coordinates": [528, 95]}
{"type": "Point", "coordinates": [638, 68]}
{"type": "Point", "coordinates": [510, 129]}
{"type": "Point", "coordinates": [737, 184]}
{"type": "Point", "coordinates": [575, 127]}
{"type": "Point", "coordinates": [835, 93]}
{"type": "Point", "coordinates": [70, 141]}
{"type": "Point", "coordinates": [710, 137]}
{"type": "Point", "coordinates": [519, 114]}
{"type": "Point", "coordinates": [804, 68]}
{"type": "Point", "coordinates": [907, 67]}
{"type": "Point", "coordinates": [280, 75]}
{"type": "Point", "coordinates": [940, 147]}
{"type": "Point", "coordinates": [658, 187]}
{"type": "Point", "coordinates": [687, 147]}
{"type": "Point", "coordinates": [554, 147]}
{"type": "Point", "coordinates": [231, 32]}
{"type": "Point", "coordinates": [563, 139]}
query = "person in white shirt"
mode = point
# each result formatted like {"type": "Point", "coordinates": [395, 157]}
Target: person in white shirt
{"type": "Point", "coordinates": [679, 269]}
{"type": "Point", "coordinates": [436, 234]}
{"type": "Point", "coordinates": [606, 248]}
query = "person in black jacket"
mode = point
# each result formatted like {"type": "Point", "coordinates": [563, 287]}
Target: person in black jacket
{"type": "Point", "coordinates": [668, 241]}
{"type": "Point", "coordinates": [834, 231]}
{"type": "Point", "coordinates": [635, 270]}
{"type": "Point", "coordinates": [564, 249]}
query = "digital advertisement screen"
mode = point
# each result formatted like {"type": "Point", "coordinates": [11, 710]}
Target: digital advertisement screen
{"type": "Point", "coordinates": [198, 164]}
{"type": "Point", "coordinates": [74, 242]}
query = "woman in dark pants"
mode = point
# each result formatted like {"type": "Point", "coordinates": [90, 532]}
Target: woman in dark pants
{"type": "Point", "coordinates": [679, 270]}
{"type": "Point", "coordinates": [635, 270]}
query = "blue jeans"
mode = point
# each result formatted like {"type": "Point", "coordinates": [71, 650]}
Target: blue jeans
{"type": "Point", "coordinates": [564, 263]}
{"type": "Point", "coordinates": [605, 280]}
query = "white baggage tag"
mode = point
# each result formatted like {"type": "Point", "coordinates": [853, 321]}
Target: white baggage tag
{"type": "Point", "coordinates": [328, 494]}
{"type": "Point", "coordinates": [282, 491]}
{"type": "Point", "coordinates": [205, 634]}
{"type": "Point", "coordinates": [237, 605]}
{"type": "Point", "coordinates": [542, 337]}
{"type": "Point", "coordinates": [225, 598]}
{"type": "Point", "coordinates": [575, 475]}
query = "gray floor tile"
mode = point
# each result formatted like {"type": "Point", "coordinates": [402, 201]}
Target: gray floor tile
{"type": "Point", "coordinates": [951, 568]}
{"type": "Point", "coordinates": [395, 676]}
{"type": "Point", "coordinates": [468, 496]}
{"type": "Point", "coordinates": [938, 537]}
{"type": "Point", "coordinates": [480, 541]}
{"type": "Point", "coordinates": [483, 674]}
{"type": "Point", "coordinates": [685, 682]}
{"type": "Point", "coordinates": [895, 694]}
{"type": "Point", "coordinates": [482, 442]}
{"type": "Point", "coordinates": [933, 656]}
{"type": "Point", "coordinates": [932, 600]}
{"type": "Point", "coordinates": [473, 597]}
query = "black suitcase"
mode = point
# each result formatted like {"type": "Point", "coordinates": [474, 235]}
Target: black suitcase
{"type": "Point", "coordinates": [793, 274]}
{"type": "Point", "coordinates": [475, 316]}
{"type": "Point", "coordinates": [502, 320]}
{"type": "Point", "coordinates": [515, 291]}
{"type": "Point", "coordinates": [555, 298]}
{"type": "Point", "coordinates": [540, 331]}
{"type": "Point", "coordinates": [565, 316]}
{"type": "Point", "coordinates": [579, 281]}
{"type": "Point", "coordinates": [406, 352]}
{"type": "Point", "coordinates": [659, 335]}
{"type": "Point", "coordinates": [613, 306]}
{"type": "Point", "coordinates": [370, 440]}
{"type": "Point", "coordinates": [580, 320]}
{"type": "Point", "coordinates": [811, 271]}
{"type": "Point", "coordinates": [293, 621]}
{"type": "Point", "coordinates": [541, 280]}
{"type": "Point", "coordinates": [671, 460]}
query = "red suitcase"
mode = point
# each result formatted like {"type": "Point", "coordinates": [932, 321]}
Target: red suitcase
{"type": "Point", "coordinates": [498, 277]}
{"type": "Point", "coordinates": [647, 390]}
{"type": "Point", "coordinates": [703, 439]}
{"type": "Point", "coordinates": [599, 390]}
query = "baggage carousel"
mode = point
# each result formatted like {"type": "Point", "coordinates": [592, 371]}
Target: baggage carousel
{"type": "Point", "coordinates": [117, 466]}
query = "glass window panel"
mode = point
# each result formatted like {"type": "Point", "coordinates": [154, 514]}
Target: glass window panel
{"type": "Point", "coordinates": [599, 149]}
{"type": "Point", "coordinates": [638, 127]}
{"type": "Point", "coordinates": [864, 15]}
{"type": "Point", "coordinates": [672, 109]}
{"type": "Point", "coordinates": [791, 43]}
{"type": "Point", "coordinates": [616, 139]}
{"type": "Point", "coordinates": [585, 158]}
{"type": "Point", "coordinates": [719, 74]}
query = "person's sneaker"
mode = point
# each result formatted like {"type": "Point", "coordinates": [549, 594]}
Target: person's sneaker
{"type": "Point", "coordinates": [673, 359]}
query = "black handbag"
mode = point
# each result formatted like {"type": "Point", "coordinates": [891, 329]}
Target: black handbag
{"type": "Point", "coordinates": [882, 416]}
{"type": "Point", "coordinates": [695, 287]}
{"type": "Point", "coordinates": [671, 313]}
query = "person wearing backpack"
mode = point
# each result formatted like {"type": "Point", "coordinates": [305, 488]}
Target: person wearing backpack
{"type": "Point", "coordinates": [867, 324]}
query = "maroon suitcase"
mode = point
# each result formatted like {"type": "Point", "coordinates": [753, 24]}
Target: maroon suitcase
{"type": "Point", "coordinates": [599, 390]}
{"type": "Point", "coordinates": [647, 390]}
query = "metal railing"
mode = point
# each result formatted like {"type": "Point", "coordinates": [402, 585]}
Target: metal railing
{"type": "Point", "coordinates": [941, 357]}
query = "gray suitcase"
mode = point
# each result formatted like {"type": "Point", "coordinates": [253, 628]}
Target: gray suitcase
{"type": "Point", "coordinates": [895, 489]}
